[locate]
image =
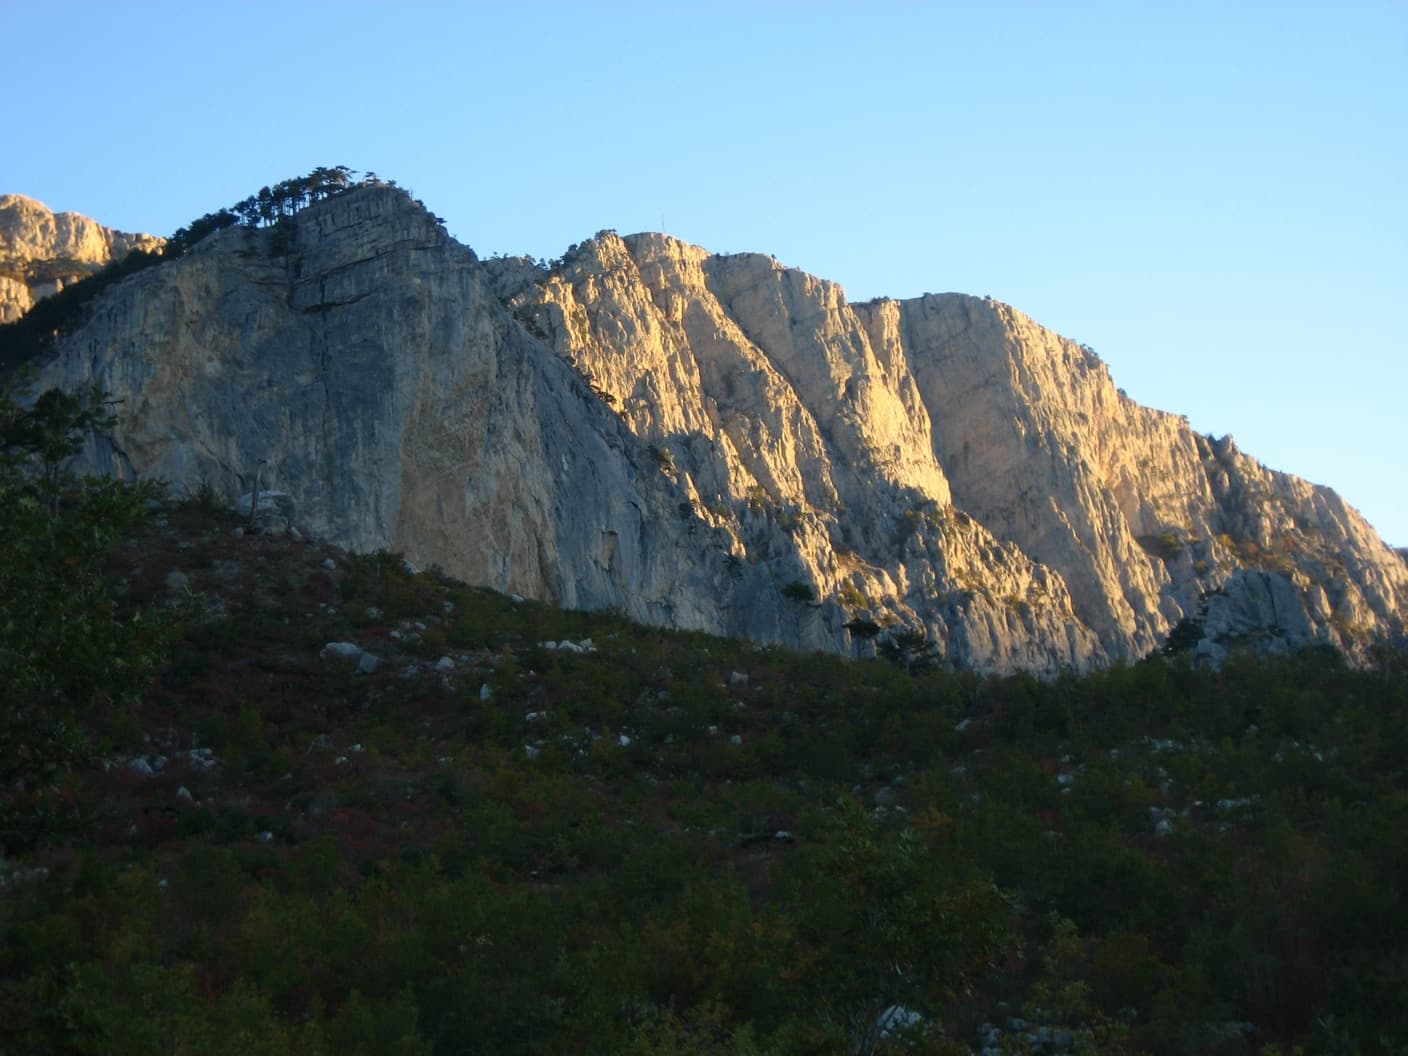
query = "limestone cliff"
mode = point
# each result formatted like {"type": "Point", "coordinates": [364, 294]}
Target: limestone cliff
{"type": "Point", "coordinates": [710, 441]}
{"type": "Point", "coordinates": [41, 251]}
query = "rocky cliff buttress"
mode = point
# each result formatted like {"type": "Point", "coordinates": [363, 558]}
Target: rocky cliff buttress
{"type": "Point", "coordinates": [707, 441]}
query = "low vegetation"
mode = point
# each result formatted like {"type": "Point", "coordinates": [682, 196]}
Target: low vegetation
{"type": "Point", "coordinates": [483, 825]}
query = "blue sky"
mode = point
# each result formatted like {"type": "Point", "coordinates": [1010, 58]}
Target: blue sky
{"type": "Point", "coordinates": [1212, 195]}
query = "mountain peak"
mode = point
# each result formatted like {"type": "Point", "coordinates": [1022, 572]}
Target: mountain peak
{"type": "Point", "coordinates": [42, 251]}
{"type": "Point", "coordinates": [716, 442]}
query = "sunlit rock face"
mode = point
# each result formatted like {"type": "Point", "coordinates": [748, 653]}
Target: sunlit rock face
{"type": "Point", "coordinates": [41, 251]}
{"type": "Point", "coordinates": [708, 441]}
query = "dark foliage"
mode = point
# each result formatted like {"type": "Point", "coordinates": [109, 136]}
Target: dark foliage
{"type": "Point", "coordinates": [494, 843]}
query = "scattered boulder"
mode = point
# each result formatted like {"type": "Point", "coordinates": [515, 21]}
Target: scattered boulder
{"type": "Point", "coordinates": [366, 662]}
{"type": "Point", "coordinates": [274, 510]}
{"type": "Point", "coordinates": [895, 1019]}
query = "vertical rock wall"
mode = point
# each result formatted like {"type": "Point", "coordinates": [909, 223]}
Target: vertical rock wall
{"type": "Point", "coordinates": [705, 441]}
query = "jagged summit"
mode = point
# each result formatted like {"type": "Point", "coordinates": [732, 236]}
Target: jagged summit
{"type": "Point", "coordinates": [716, 442]}
{"type": "Point", "coordinates": [41, 251]}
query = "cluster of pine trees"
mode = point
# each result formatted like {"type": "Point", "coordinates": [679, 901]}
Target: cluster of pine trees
{"type": "Point", "coordinates": [272, 204]}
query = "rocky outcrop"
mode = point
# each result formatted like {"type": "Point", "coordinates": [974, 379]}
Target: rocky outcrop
{"type": "Point", "coordinates": [714, 442]}
{"type": "Point", "coordinates": [41, 251]}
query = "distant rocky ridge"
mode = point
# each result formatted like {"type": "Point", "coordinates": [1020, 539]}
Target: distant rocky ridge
{"type": "Point", "coordinates": [41, 251]}
{"type": "Point", "coordinates": [718, 443]}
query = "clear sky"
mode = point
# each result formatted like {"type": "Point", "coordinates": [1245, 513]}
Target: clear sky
{"type": "Point", "coordinates": [1213, 195]}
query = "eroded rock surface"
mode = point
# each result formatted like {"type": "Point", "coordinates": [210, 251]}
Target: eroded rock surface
{"type": "Point", "coordinates": [41, 251]}
{"type": "Point", "coordinates": [714, 442]}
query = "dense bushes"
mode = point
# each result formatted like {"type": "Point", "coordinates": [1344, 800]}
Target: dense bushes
{"type": "Point", "coordinates": [69, 660]}
{"type": "Point", "coordinates": [709, 848]}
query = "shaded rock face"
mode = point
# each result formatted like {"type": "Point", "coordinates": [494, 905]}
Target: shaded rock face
{"type": "Point", "coordinates": [716, 443]}
{"type": "Point", "coordinates": [41, 251]}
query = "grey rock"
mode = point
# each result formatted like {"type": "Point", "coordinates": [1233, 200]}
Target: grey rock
{"type": "Point", "coordinates": [761, 432]}
{"type": "Point", "coordinates": [367, 663]}
{"type": "Point", "coordinates": [895, 1019]}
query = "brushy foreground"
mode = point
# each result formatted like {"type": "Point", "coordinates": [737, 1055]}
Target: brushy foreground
{"type": "Point", "coordinates": [482, 825]}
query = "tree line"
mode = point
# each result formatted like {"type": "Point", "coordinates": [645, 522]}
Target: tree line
{"type": "Point", "coordinates": [271, 204]}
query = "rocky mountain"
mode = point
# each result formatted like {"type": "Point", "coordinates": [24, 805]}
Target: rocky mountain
{"type": "Point", "coordinates": [41, 251]}
{"type": "Point", "coordinates": [715, 442]}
